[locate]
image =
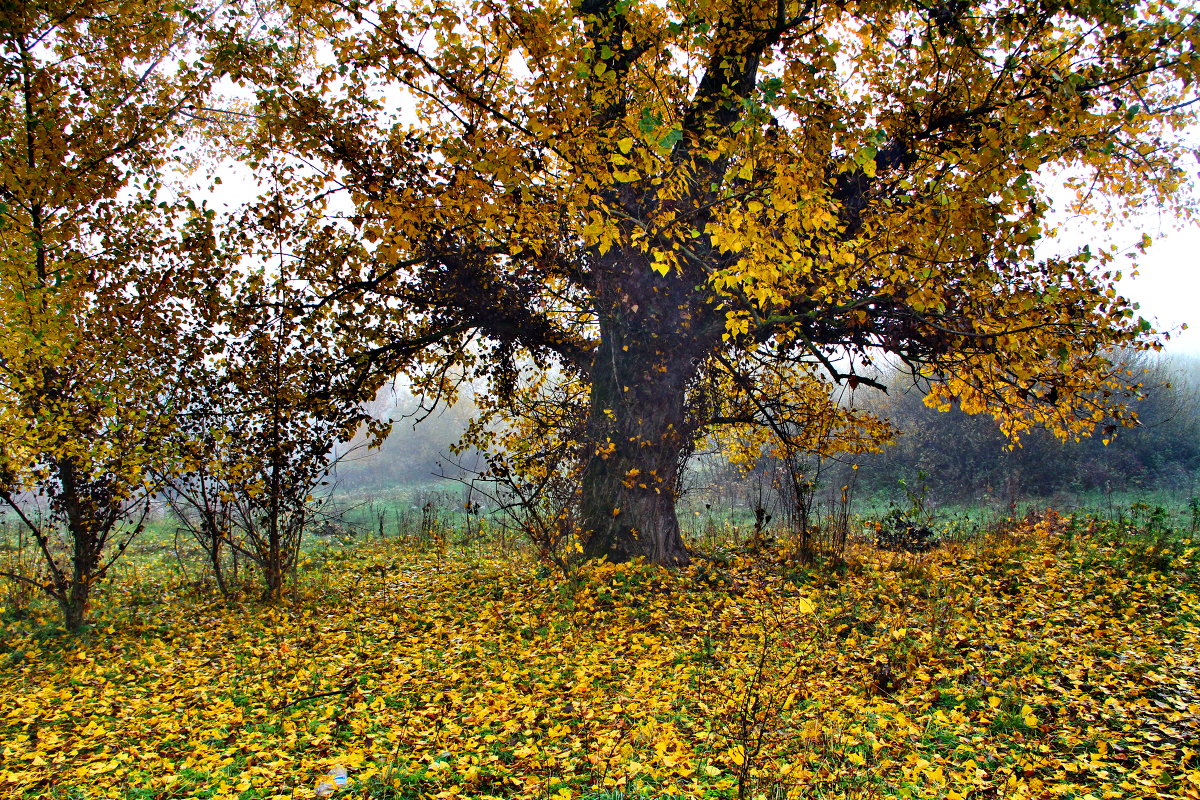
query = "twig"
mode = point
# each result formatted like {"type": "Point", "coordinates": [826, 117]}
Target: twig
{"type": "Point", "coordinates": [343, 691]}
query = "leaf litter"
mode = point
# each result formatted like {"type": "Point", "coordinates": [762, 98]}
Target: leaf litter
{"type": "Point", "coordinates": [1032, 662]}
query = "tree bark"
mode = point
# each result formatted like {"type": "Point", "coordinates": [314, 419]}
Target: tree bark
{"type": "Point", "coordinates": [74, 607]}
{"type": "Point", "coordinates": [87, 540]}
{"type": "Point", "coordinates": [639, 433]}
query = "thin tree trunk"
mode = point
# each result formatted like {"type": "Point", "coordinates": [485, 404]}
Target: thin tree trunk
{"type": "Point", "coordinates": [215, 537]}
{"type": "Point", "coordinates": [87, 542]}
{"type": "Point", "coordinates": [74, 607]}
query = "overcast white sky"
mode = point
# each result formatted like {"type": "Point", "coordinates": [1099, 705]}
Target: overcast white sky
{"type": "Point", "coordinates": [1168, 288]}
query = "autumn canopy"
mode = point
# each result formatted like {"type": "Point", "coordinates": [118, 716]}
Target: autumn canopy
{"type": "Point", "coordinates": [644, 222]}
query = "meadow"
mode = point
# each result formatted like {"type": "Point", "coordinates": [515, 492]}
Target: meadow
{"type": "Point", "coordinates": [1040, 656]}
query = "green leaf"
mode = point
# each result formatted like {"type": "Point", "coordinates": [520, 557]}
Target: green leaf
{"type": "Point", "coordinates": [770, 88]}
{"type": "Point", "coordinates": [649, 119]}
{"type": "Point", "coordinates": [671, 139]}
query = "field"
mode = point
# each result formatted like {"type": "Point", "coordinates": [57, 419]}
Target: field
{"type": "Point", "coordinates": [1042, 657]}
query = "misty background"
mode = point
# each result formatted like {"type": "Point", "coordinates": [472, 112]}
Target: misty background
{"type": "Point", "coordinates": [950, 457]}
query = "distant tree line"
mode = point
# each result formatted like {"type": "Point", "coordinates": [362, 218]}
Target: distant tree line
{"type": "Point", "coordinates": [417, 450]}
{"type": "Point", "coordinates": [966, 457]}
{"type": "Point", "coordinates": [949, 456]}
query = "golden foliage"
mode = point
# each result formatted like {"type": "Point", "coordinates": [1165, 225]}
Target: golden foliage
{"type": "Point", "coordinates": [794, 181]}
{"type": "Point", "coordinates": [645, 200]}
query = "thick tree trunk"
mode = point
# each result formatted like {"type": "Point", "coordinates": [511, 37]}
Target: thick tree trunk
{"type": "Point", "coordinates": [638, 432]}
{"type": "Point", "coordinates": [630, 480]}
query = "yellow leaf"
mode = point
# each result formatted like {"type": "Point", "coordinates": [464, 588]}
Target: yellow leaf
{"type": "Point", "coordinates": [626, 144]}
{"type": "Point", "coordinates": [738, 755]}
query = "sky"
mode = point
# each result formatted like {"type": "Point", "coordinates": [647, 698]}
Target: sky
{"type": "Point", "coordinates": [1168, 288]}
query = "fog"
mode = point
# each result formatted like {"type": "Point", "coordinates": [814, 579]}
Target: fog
{"type": "Point", "coordinates": [958, 457]}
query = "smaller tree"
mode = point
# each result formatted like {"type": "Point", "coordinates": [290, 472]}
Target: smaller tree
{"type": "Point", "coordinates": [787, 419]}
{"type": "Point", "coordinates": [533, 463]}
{"type": "Point", "coordinates": [104, 278]}
{"type": "Point", "coordinates": [278, 399]}
{"type": "Point", "coordinates": [92, 379]}
{"type": "Point", "coordinates": [201, 501]}
{"type": "Point", "coordinates": [284, 420]}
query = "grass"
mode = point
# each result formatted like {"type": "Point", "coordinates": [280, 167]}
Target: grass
{"type": "Point", "coordinates": [1043, 656]}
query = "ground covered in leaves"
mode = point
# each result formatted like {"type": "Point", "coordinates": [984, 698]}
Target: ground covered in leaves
{"type": "Point", "coordinates": [1044, 660]}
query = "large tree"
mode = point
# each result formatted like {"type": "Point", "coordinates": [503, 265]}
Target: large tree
{"type": "Point", "coordinates": [685, 214]}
